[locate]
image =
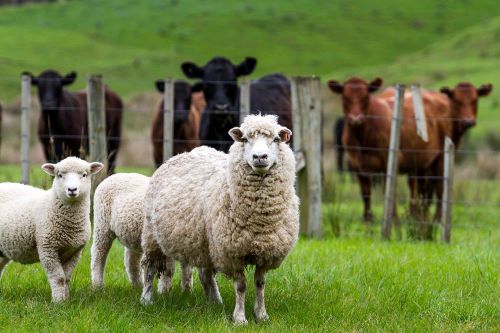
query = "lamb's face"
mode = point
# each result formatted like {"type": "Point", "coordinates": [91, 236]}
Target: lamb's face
{"type": "Point", "coordinates": [261, 146]}
{"type": "Point", "coordinates": [72, 177]}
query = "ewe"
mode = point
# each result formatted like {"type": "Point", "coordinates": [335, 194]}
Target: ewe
{"type": "Point", "coordinates": [50, 226]}
{"type": "Point", "coordinates": [119, 213]}
{"type": "Point", "coordinates": [221, 212]}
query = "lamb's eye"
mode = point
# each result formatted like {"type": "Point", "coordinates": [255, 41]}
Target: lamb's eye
{"type": "Point", "coordinates": [245, 140]}
{"type": "Point", "coordinates": [277, 140]}
{"type": "Point", "coordinates": [59, 175]}
{"type": "Point", "coordinates": [84, 175]}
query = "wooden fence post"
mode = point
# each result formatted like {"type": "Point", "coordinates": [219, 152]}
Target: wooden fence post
{"type": "Point", "coordinates": [25, 128]}
{"type": "Point", "coordinates": [306, 117]}
{"type": "Point", "coordinates": [97, 125]}
{"type": "Point", "coordinates": [392, 163]}
{"type": "Point", "coordinates": [244, 100]}
{"type": "Point", "coordinates": [449, 164]}
{"type": "Point", "coordinates": [418, 106]}
{"type": "Point", "coordinates": [168, 119]}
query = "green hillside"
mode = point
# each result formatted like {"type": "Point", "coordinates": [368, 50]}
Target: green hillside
{"type": "Point", "coordinates": [132, 43]}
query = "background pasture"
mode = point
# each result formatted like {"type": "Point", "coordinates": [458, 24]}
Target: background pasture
{"type": "Point", "coordinates": [351, 283]}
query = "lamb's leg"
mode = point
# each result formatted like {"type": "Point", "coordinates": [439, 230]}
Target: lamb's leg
{"type": "Point", "coordinates": [166, 276]}
{"type": "Point", "coordinates": [68, 268]}
{"type": "Point", "coordinates": [3, 262]}
{"type": "Point", "coordinates": [207, 279]}
{"type": "Point", "coordinates": [259, 309]}
{"type": "Point", "coordinates": [133, 267]}
{"type": "Point", "coordinates": [148, 271]}
{"type": "Point", "coordinates": [240, 286]}
{"type": "Point", "coordinates": [101, 244]}
{"type": "Point", "coordinates": [187, 277]}
{"type": "Point", "coordinates": [55, 274]}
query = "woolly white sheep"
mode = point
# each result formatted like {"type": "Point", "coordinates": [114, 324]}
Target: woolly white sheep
{"type": "Point", "coordinates": [222, 212]}
{"type": "Point", "coordinates": [50, 226]}
{"type": "Point", "coordinates": [119, 213]}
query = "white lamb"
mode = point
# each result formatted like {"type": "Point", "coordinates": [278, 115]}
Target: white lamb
{"type": "Point", "coordinates": [222, 212]}
{"type": "Point", "coordinates": [50, 226]}
{"type": "Point", "coordinates": [119, 213]}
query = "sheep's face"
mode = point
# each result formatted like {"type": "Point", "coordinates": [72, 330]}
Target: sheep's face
{"type": "Point", "coordinates": [261, 147]}
{"type": "Point", "coordinates": [72, 177]}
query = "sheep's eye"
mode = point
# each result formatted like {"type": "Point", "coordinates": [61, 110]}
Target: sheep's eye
{"type": "Point", "coordinates": [245, 140]}
{"type": "Point", "coordinates": [60, 175]}
{"type": "Point", "coordinates": [277, 140]}
{"type": "Point", "coordinates": [84, 175]}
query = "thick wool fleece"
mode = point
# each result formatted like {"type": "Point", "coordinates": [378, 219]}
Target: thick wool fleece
{"type": "Point", "coordinates": [211, 210]}
{"type": "Point", "coordinates": [37, 225]}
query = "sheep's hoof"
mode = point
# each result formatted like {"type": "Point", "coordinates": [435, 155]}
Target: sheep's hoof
{"type": "Point", "coordinates": [240, 320]}
{"type": "Point", "coordinates": [260, 315]}
{"type": "Point", "coordinates": [146, 301]}
{"type": "Point", "coordinates": [59, 298]}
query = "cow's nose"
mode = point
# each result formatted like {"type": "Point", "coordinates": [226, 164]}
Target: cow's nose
{"type": "Point", "coordinates": [222, 106]}
{"type": "Point", "coordinates": [469, 122]}
{"type": "Point", "coordinates": [355, 118]}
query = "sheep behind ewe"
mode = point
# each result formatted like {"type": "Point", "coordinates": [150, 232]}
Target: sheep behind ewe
{"type": "Point", "coordinates": [119, 213]}
{"type": "Point", "coordinates": [221, 212]}
{"type": "Point", "coordinates": [50, 227]}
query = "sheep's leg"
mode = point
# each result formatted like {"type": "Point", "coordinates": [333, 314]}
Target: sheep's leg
{"type": "Point", "coordinates": [3, 262]}
{"type": "Point", "coordinates": [133, 267]}
{"type": "Point", "coordinates": [259, 309]}
{"type": "Point", "coordinates": [101, 244]}
{"type": "Point", "coordinates": [68, 268]}
{"type": "Point", "coordinates": [207, 279]}
{"type": "Point", "coordinates": [240, 287]}
{"type": "Point", "coordinates": [187, 277]}
{"type": "Point", "coordinates": [166, 276]}
{"type": "Point", "coordinates": [148, 271]}
{"type": "Point", "coordinates": [55, 274]}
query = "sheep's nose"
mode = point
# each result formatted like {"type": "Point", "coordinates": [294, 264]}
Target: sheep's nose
{"type": "Point", "coordinates": [259, 157]}
{"type": "Point", "coordinates": [72, 191]}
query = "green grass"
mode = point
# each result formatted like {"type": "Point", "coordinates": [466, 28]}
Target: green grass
{"type": "Point", "coordinates": [353, 283]}
{"type": "Point", "coordinates": [133, 43]}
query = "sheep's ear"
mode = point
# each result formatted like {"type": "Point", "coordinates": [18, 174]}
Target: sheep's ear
{"type": "Point", "coordinates": [236, 134]}
{"type": "Point", "coordinates": [49, 168]}
{"type": "Point", "coordinates": [95, 167]}
{"type": "Point", "coordinates": [285, 134]}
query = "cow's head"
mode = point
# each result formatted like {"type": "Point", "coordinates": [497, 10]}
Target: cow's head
{"type": "Point", "coordinates": [463, 100]}
{"type": "Point", "coordinates": [355, 97]}
{"type": "Point", "coordinates": [219, 77]}
{"type": "Point", "coordinates": [182, 100]}
{"type": "Point", "coordinates": [50, 87]}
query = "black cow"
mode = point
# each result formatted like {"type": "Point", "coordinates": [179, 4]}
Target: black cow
{"type": "Point", "coordinates": [339, 147]}
{"type": "Point", "coordinates": [63, 126]}
{"type": "Point", "coordinates": [269, 95]}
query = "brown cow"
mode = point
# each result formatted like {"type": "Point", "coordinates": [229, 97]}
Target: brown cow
{"type": "Point", "coordinates": [367, 132]}
{"type": "Point", "coordinates": [189, 104]}
{"type": "Point", "coordinates": [63, 126]}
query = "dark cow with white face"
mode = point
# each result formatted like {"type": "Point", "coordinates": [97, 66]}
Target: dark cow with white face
{"type": "Point", "coordinates": [268, 95]}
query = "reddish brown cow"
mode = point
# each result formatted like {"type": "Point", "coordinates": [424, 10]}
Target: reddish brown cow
{"type": "Point", "coordinates": [189, 104]}
{"type": "Point", "coordinates": [367, 132]}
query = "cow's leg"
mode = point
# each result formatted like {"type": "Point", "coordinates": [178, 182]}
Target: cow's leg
{"type": "Point", "coordinates": [365, 184]}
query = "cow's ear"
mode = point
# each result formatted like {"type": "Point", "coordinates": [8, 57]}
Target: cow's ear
{"type": "Point", "coordinates": [246, 67]}
{"type": "Point", "coordinates": [68, 79]}
{"type": "Point", "coordinates": [236, 134]}
{"type": "Point", "coordinates": [34, 80]}
{"type": "Point", "coordinates": [335, 86]}
{"type": "Point", "coordinates": [447, 91]}
{"type": "Point", "coordinates": [197, 87]}
{"type": "Point", "coordinates": [192, 71]}
{"type": "Point", "coordinates": [485, 90]}
{"type": "Point", "coordinates": [160, 85]}
{"type": "Point", "coordinates": [375, 85]}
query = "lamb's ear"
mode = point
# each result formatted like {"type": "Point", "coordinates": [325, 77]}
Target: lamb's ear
{"type": "Point", "coordinates": [95, 167]}
{"type": "Point", "coordinates": [69, 78]}
{"type": "Point", "coordinates": [160, 85]}
{"type": "Point", "coordinates": [236, 134]}
{"type": "Point", "coordinates": [447, 91]}
{"type": "Point", "coordinates": [285, 134]}
{"type": "Point", "coordinates": [485, 89]}
{"type": "Point", "coordinates": [49, 168]}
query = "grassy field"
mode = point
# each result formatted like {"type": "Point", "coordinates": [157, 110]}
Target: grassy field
{"type": "Point", "coordinates": [352, 283]}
